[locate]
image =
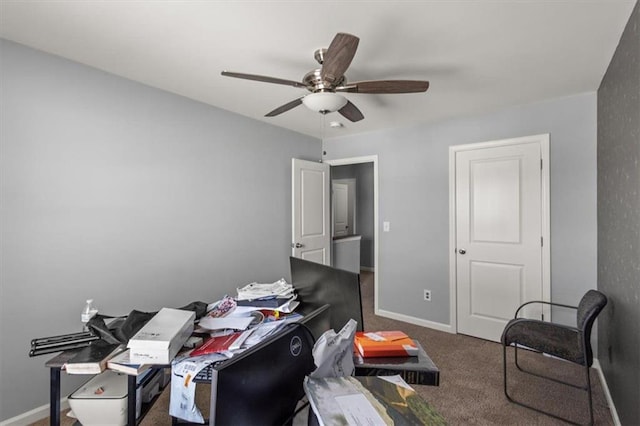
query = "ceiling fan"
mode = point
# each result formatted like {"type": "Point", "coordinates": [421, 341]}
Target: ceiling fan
{"type": "Point", "coordinates": [325, 82]}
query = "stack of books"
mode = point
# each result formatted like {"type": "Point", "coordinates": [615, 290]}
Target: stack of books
{"type": "Point", "coordinates": [122, 363]}
{"type": "Point", "coordinates": [384, 344]}
{"type": "Point", "coordinates": [93, 359]}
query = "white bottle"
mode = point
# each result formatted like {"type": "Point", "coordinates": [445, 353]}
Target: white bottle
{"type": "Point", "coordinates": [88, 312]}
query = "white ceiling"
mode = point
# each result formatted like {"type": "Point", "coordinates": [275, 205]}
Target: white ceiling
{"type": "Point", "coordinates": [478, 55]}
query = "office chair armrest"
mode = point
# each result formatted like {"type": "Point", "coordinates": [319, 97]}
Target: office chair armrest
{"type": "Point", "coordinates": [545, 303]}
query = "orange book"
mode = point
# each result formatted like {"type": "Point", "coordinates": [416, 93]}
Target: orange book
{"type": "Point", "coordinates": [384, 344]}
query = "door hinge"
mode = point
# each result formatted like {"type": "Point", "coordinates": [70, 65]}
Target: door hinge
{"type": "Point", "coordinates": [541, 160]}
{"type": "Point", "coordinates": [541, 241]}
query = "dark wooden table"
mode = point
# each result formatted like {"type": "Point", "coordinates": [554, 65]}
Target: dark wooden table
{"type": "Point", "coordinates": [415, 370]}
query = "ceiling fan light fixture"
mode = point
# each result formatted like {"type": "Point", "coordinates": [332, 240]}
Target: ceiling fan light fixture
{"type": "Point", "coordinates": [324, 102]}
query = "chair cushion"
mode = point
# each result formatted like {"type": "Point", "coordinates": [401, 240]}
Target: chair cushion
{"type": "Point", "coordinates": [545, 337]}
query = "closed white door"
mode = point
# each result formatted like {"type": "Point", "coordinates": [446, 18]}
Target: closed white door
{"type": "Point", "coordinates": [311, 222]}
{"type": "Point", "coordinates": [499, 223]}
{"type": "Point", "coordinates": [340, 204]}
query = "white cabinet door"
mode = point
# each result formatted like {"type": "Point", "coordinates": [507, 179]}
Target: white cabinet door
{"type": "Point", "coordinates": [340, 205]}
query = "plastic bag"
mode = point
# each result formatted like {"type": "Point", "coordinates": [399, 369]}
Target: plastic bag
{"type": "Point", "coordinates": [333, 352]}
{"type": "Point", "coordinates": [123, 328]}
{"type": "Point", "coordinates": [182, 401]}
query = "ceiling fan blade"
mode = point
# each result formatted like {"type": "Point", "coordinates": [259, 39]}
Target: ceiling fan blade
{"type": "Point", "coordinates": [385, 86]}
{"type": "Point", "coordinates": [284, 108]}
{"type": "Point", "coordinates": [351, 112]}
{"type": "Point", "coordinates": [263, 78]}
{"type": "Point", "coordinates": [338, 57]}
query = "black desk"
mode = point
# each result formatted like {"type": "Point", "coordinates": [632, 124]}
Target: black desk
{"type": "Point", "coordinates": [415, 370]}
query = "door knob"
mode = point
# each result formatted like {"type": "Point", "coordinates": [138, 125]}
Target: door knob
{"type": "Point", "coordinates": [298, 245]}
{"type": "Point", "coordinates": [462, 251]}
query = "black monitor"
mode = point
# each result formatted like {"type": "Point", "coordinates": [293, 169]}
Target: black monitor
{"type": "Point", "coordinates": [262, 385]}
{"type": "Point", "coordinates": [318, 284]}
{"type": "Point", "coordinates": [316, 320]}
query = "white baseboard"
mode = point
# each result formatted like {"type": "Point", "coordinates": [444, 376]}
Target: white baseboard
{"type": "Point", "coordinates": [367, 269]}
{"type": "Point", "coordinates": [34, 415]}
{"type": "Point", "coordinates": [607, 393]}
{"type": "Point", "coordinates": [417, 321]}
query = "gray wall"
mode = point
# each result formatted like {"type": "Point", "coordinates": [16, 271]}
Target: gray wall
{"type": "Point", "coordinates": [129, 195]}
{"type": "Point", "coordinates": [413, 173]}
{"type": "Point", "coordinates": [619, 222]}
{"type": "Point", "coordinates": [363, 173]}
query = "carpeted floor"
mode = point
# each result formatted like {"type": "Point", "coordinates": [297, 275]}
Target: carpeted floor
{"type": "Point", "coordinates": [470, 390]}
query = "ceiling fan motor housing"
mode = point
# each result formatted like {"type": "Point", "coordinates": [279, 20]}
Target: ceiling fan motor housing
{"type": "Point", "coordinates": [313, 81]}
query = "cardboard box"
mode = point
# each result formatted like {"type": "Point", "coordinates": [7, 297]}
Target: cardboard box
{"type": "Point", "coordinates": [162, 337]}
{"type": "Point", "coordinates": [103, 400]}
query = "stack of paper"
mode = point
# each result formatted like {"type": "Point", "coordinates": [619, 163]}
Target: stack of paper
{"type": "Point", "coordinates": [278, 295]}
{"type": "Point", "coordinates": [279, 289]}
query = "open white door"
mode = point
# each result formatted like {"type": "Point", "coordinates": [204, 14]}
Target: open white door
{"type": "Point", "coordinates": [311, 221]}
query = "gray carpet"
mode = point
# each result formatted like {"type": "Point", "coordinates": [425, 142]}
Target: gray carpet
{"type": "Point", "coordinates": [470, 390]}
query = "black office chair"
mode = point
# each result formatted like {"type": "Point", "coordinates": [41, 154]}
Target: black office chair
{"type": "Point", "coordinates": [565, 342]}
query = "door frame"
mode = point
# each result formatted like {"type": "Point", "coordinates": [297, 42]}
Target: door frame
{"type": "Point", "coordinates": [543, 140]}
{"type": "Point", "coordinates": [358, 160]}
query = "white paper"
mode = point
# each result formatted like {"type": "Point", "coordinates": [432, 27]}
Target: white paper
{"type": "Point", "coordinates": [358, 410]}
{"type": "Point", "coordinates": [234, 322]}
{"type": "Point", "coordinates": [243, 311]}
{"type": "Point", "coordinates": [253, 291]}
{"type": "Point", "coordinates": [264, 330]}
{"type": "Point", "coordinates": [288, 307]}
{"type": "Point", "coordinates": [397, 380]}
{"type": "Point", "coordinates": [375, 337]}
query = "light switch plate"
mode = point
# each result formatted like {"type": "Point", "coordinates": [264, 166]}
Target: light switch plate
{"type": "Point", "coordinates": [386, 226]}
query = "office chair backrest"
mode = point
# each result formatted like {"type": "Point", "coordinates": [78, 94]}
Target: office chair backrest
{"type": "Point", "coordinates": [590, 306]}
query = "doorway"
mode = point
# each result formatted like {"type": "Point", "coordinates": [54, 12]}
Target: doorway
{"type": "Point", "coordinates": [343, 203]}
{"type": "Point", "coordinates": [499, 224]}
{"type": "Point", "coordinates": [369, 242]}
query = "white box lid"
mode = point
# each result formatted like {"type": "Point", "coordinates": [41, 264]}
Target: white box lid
{"type": "Point", "coordinates": [159, 332]}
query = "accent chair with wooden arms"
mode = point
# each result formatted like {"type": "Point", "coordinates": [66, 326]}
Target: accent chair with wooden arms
{"type": "Point", "coordinates": [569, 343]}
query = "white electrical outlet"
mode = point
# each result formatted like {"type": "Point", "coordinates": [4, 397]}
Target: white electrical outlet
{"type": "Point", "coordinates": [427, 295]}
